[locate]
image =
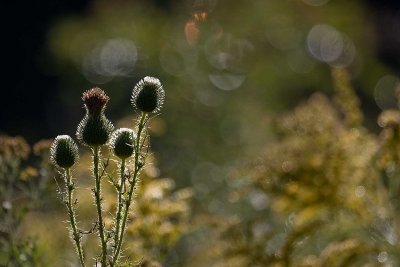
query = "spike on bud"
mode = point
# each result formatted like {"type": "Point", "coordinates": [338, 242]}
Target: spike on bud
{"type": "Point", "coordinates": [148, 95]}
{"type": "Point", "coordinates": [64, 151]}
{"type": "Point", "coordinates": [95, 100]}
{"type": "Point", "coordinates": [122, 142]}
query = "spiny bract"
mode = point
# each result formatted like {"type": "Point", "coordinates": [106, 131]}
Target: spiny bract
{"type": "Point", "coordinates": [94, 130]}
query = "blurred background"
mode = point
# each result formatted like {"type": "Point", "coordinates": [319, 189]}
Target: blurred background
{"type": "Point", "coordinates": [223, 64]}
{"type": "Point", "coordinates": [45, 48]}
{"type": "Point", "coordinates": [227, 68]}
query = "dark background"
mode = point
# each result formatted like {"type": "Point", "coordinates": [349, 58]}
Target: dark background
{"type": "Point", "coordinates": [25, 79]}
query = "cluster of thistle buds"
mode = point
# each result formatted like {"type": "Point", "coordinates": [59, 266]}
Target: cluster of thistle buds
{"type": "Point", "coordinates": [95, 131]}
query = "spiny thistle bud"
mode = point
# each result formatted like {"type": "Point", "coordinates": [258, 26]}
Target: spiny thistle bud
{"type": "Point", "coordinates": [95, 128]}
{"type": "Point", "coordinates": [122, 142]}
{"type": "Point", "coordinates": [64, 151]}
{"type": "Point", "coordinates": [148, 95]}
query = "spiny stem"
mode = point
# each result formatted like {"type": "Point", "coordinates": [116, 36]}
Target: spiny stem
{"type": "Point", "coordinates": [97, 194]}
{"type": "Point", "coordinates": [138, 167]}
{"type": "Point", "coordinates": [120, 203]}
{"type": "Point", "coordinates": [71, 212]}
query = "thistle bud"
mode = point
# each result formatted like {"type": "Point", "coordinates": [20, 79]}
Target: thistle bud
{"type": "Point", "coordinates": [122, 142]}
{"type": "Point", "coordinates": [148, 95]}
{"type": "Point", "coordinates": [64, 151]}
{"type": "Point", "coordinates": [95, 128]}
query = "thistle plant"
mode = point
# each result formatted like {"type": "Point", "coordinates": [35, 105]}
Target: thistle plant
{"type": "Point", "coordinates": [64, 154]}
{"type": "Point", "coordinates": [94, 131]}
{"type": "Point", "coordinates": [130, 148]}
{"type": "Point", "coordinates": [147, 98]}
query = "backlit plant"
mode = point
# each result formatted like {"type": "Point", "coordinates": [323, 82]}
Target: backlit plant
{"type": "Point", "coordinates": [130, 148]}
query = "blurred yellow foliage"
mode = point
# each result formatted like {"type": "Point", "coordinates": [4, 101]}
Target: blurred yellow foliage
{"type": "Point", "coordinates": [331, 186]}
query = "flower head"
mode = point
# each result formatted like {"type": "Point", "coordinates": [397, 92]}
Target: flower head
{"type": "Point", "coordinates": [148, 95]}
{"type": "Point", "coordinates": [64, 151]}
{"type": "Point", "coordinates": [95, 100]}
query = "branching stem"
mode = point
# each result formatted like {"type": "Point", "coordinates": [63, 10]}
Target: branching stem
{"type": "Point", "coordinates": [97, 195]}
{"type": "Point", "coordinates": [72, 218]}
{"type": "Point", "coordinates": [120, 203]}
{"type": "Point", "coordinates": [138, 167]}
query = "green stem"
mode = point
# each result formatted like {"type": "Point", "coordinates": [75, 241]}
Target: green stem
{"type": "Point", "coordinates": [97, 195]}
{"type": "Point", "coordinates": [72, 218]}
{"type": "Point", "coordinates": [138, 167]}
{"type": "Point", "coordinates": [120, 203]}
